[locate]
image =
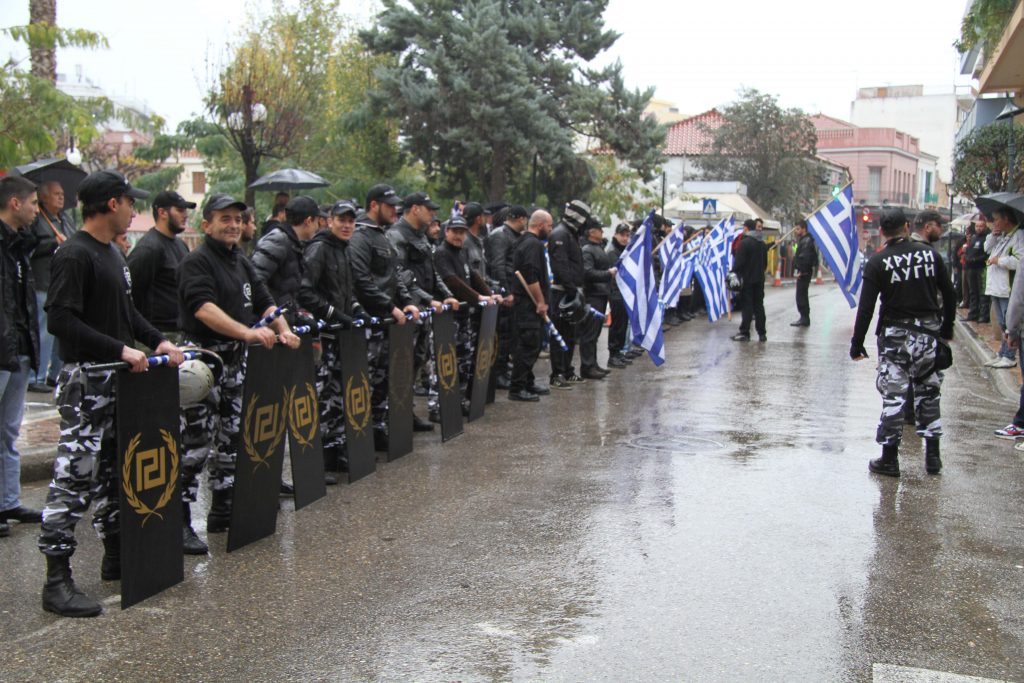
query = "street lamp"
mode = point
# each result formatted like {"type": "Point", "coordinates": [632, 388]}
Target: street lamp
{"type": "Point", "coordinates": [1009, 112]}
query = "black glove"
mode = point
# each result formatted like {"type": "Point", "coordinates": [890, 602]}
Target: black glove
{"type": "Point", "coordinates": [857, 350]}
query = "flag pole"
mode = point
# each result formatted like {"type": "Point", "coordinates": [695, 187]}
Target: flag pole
{"type": "Point", "coordinates": [685, 242]}
{"type": "Point", "coordinates": [826, 202]}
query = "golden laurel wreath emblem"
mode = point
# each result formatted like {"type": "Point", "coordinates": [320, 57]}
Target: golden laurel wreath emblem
{"type": "Point", "coordinates": [295, 417]}
{"type": "Point", "coordinates": [485, 358]}
{"type": "Point", "coordinates": [131, 496]}
{"type": "Point", "coordinates": [262, 457]}
{"type": "Point", "coordinates": [357, 403]}
{"type": "Point", "coordinates": [448, 368]}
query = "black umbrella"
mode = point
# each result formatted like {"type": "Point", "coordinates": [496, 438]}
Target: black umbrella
{"type": "Point", "coordinates": [288, 179]}
{"type": "Point", "coordinates": [998, 200]}
{"type": "Point", "coordinates": [63, 171]}
{"type": "Point", "coordinates": [1018, 206]}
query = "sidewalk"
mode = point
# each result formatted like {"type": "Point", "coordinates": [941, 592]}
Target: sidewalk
{"type": "Point", "coordinates": [983, 341]}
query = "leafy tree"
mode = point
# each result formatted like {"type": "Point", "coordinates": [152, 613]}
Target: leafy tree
{"type": "Point", "coordinates": [616, 190]}
{"type": "Point", "coordinates": [983, 25]}
{"type": "Point", "coordinates": [980, 161]}
{"type": "Point", "coordinates": [489, 93]}
{"type": "Point", "coordinates": [769, 149]}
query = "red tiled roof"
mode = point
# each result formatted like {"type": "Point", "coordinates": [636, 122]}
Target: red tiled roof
{"type": "Point", "coordinates": [687, 137]}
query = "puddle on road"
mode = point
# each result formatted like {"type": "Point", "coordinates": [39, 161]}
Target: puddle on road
{"type": "Point", "coordinates": [682, 445]}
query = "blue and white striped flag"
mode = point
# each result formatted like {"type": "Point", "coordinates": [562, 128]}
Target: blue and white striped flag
{"type": "Point", "coordinates": [710, 269]}
{"type": "Point", "coordinates": [635, 278]}
{"type": "Point", "coordinates": [671, 255]}
{"type": "Point", "coordinates": [835, 231]}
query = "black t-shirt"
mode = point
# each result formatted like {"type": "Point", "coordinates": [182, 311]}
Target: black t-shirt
{"type": "Point", "coordinates": [529, 260]}
{"type": "Point", "coordinates": [212, 273]}
{"type": "Point", "coordinates": [88, 305]}
{"type": "Point", "coordinates": [154, 267]}
{"type": "Point", "coordinates": [909, 276]}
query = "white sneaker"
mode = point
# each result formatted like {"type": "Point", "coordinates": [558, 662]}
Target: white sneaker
{"type": "Point", "coordinates": [1004, 363]}
{"type": "Point", "coordinates": [991, 363]}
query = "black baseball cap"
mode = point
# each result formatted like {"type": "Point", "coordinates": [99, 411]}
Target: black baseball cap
{"type": "Point", "coordinates": [623, 227]}
{"type": "Point", "coordinates": [928, 216]}
{"type": "Point", "coordinates": [342, 207]}
{"type": "Point", "coordinates": [420, 199]}
{"type": "Point", "coordinates": [517, 211]}
{"type": "Point", "coordinates": [383, 193]}
{"type": "Point", "coordinates": [471, 211]}
{"type": "Point", "coordinates": [300, 208]}
{"type": "Point", "coordinates": [456, 223]}
{"type": "Point", "coordinates": [169, 198]}
{"type": "Point", "coordinates": [100, 186]}
{"type": "Point", "coordinates": [219, 202]}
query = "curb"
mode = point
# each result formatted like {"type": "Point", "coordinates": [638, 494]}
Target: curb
{"type": "Point", "coordinates": [37, 464]}
{"type": "Point", "coordinates": [978, 348]}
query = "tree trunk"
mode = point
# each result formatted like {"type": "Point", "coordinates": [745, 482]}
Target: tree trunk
{"type": "Point", "coordinates": [499, 173]}
{"type": "Point", "coordinates": [44, 59]}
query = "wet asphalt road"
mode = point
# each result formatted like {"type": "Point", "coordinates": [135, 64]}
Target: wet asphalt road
{"type": "Point", "coordinates": [711, 520]}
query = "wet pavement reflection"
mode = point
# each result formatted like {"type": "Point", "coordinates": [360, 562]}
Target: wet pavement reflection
{"type": "Point", "coordinates": [709, 520]}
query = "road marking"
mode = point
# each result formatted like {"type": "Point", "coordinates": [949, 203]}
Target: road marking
{"type": "Point", "coordinates": [891, 673]}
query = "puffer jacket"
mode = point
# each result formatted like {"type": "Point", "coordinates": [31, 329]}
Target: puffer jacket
{"type": "Point", "coordinates": [597, 279]}
{"type": "Point", "coordinates": [501, 246]}
{"type": "Point", "coordinates": [416, 255]}
{"type": "Point", "coordinates": [280, 265]}
{"type": "Point", "coordinates": [326, 289]}
{"type": "Point", "coordinates": [375, 269]}
{"type": "Point", "coordinates": [15, 249]}
{"type": "Point", "coordinates": [614, 252]}
{"type": "Point", "coordinates": [566, 257]}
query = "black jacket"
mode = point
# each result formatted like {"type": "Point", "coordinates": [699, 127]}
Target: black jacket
{"type": "Point", "coordinates": [614, 252]}
{"type": "Point", "coordinates": [476, 255]}
{"type": "Point", "coordinates": [597, 281]}
{"type": "Point", "coordinates": [374, 264]}
{"type": "Point", "coordinates": [326, 289]}
{"type": "Point", "coordinates": [501, 245]}
{"type": "Point", "coordinates": [975, 256]}
{"type": "Point", "coordinates": [566, 257]}
{"type": "Point", "coordinates": [15, 248]}
{"type": "Point", "coordinates": [46, 243]}
{"type": "Point", "coordinates": [751, 261]}
{"type": "Point", "coordinates": [279, 264]}
{"type": "Point", "coordinates": [806, 258]}
{"type": "Point", "coordinates": [416, 255]}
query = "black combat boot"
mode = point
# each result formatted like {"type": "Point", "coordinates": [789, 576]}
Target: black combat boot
{"type": "Point", "coordinates": [61, 596]}
{"type": "Point", "coordinates": [932, 461]}
{"type": "Point", "coordinates": [888, 464]}
{"type": "Point", "coordinates": [330, 466]}
{"type": "Point", "coordinates": [190, 542]}
{"type": "Point", "coordinates": [218, 519]}
{"type": "Point", "coordinates": [110, 567]}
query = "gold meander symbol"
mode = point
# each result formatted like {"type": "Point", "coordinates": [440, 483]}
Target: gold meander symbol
{"type": "Point", "coordinates": [401, 373]}
{"type": "Point", "coordinates": [448, 367]}
{"type": "Point", "coordinates": [303, 416]}
{"type": "Point", "coordinates": [357, 402]}
{"type": "Point", "coordinates": [263, 429]}
{"type": "Point", "coordinates": [149, 469]}
{"type": "Point", "coordinates": [485, 357]}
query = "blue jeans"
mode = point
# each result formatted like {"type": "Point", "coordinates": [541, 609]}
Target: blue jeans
{"type": "Point", "coordinates": [1000, 305]}
{"type": "Point", "coordinates": [12, 408]}
{"type": "Point", "coordinates": [47, 349]}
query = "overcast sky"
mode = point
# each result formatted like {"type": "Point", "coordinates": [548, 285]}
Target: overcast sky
{"type": "Point", "coordinates": [812, 55]}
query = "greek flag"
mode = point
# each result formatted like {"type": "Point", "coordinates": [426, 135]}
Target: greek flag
{"type": "Point", "coordinates": [835, 232]}
{"type": "Point", "coordinates": [635, 278]}
{"type": "Point", "coordinates": [672, 270]}
{"type": "Point", "coordinates": [711, 266]}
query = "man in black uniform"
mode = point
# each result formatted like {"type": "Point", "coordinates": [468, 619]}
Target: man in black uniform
{"type": "Point", "coordinates": [476, 253]}
{"type": "Point", "coordinates": [566, 257]}
{"type": "Point", "coordinates": [220, 297]}
{"type": "Point", "coordinates": [750, 263]}
{"type": "Point", "coordinates": [327, 292]}
{"type": "Point", "coordinates": [598, 272]}
{"type": "Point", "coordinates": [975, 263]}
{"type": "Point", "coordinates": [501, 243]}
{"type": "Point", "coordinates": [467, 284]}
{"type": "Point", "coordinates": [805, 261]}
{"type": "Point", "coordinates": [416, 258]}
{"type": "Point", "coordinates": [278, 255]}
{"type": "Point", "coordinates": [530, 262]}
{"type": "Point", "coordinates": [620, 317]}
{"type": "Point", "coordinates": [90, 312]}
{"type": "Point", "coordinates": [154, 263]}
{"type": "Point", "coordinates": [380, 290]}
{"type": "Point", "coordinates": [910, 277]}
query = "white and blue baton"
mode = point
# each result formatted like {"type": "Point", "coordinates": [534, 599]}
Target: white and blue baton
{"type": "Point", "coordinates": [271, 317]}
{"type": "Point", "coordinates": [151, 361]}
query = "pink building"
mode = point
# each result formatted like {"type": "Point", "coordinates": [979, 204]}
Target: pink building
{"type": "Point", "coordinates": [883, 162]}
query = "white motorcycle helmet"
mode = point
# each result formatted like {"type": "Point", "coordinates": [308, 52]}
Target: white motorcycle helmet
{"type": "Point", "coordinates": [197, 377]}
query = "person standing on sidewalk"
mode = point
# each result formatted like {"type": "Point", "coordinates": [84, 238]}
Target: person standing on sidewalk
{"type": "Point", "coordinates": [975, 260]}
{"type": "Point", "coordinates": [1004, 246]}
{"type": "Point", "coordinates": [19, 338]}
{"type": "Point", "coordinates": [91, 314]}
{"type": "Point", "coordinates": [1012, 337]}
{"type": "Point", "coordinates": [805, 261]}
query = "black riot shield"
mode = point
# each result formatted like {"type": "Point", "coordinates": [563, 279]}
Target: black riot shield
{"type": "Point", "coordinates": [305, 446]}
{"type": "Point", "coordinates": [355, 381]}
{"type": "Point", "coordinates": [400, 379]}
{"type": "Point", "coordinates": [483, 363]}
{"type": "Point", "coordinates": [446, 365]}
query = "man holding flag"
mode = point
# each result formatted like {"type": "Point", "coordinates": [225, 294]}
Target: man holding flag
{"type": "Point", "coordinates": [635, 277]}
{"type": "Point", "coordinates": [749, 264]}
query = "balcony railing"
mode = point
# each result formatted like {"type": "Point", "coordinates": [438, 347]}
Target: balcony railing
{"type": "Point", "coordinates": [904, 199]}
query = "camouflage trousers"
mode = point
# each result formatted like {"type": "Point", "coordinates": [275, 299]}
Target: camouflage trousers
{"type": "Point", "coordinates": [85, 469]}
{"type": "Point", "coordinates": [331, 392]}
{"type": "Point", "coordinates": [377, 348]}
{"type": "Point", "coordinates": [214, 425]}
{"type": "Point", "coordinates": [465, 347]}
{"type": "Point", "coordinates": [905, 360]}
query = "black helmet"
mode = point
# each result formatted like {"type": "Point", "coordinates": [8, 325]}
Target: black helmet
{"type": "Point", "coordinates": [571, 308]}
